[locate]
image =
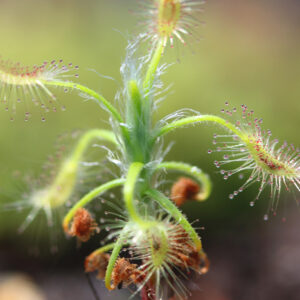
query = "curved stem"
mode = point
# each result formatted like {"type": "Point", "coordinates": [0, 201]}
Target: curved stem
{"type": "Point", "coordinates": [88, 137]}
{"type": "Point", "coordinates": [114, 112]}
{"type": "Point", "coordinates": [193, 171]}
{"type": "Point", "coordinates": [89, 197]}
{"type": "Point", "coordinates": [114, 255]}
{"type": "Point", "coordinates": [64, 182]}
{"type": "Point", "coordinates": [165, 203]}
{"type": "Point", "coordinates": [129, 188]}
{"type": "Point", "coordinates": [199, 119]}
{"type": "Point", "coordinates": [103, 249]}
{"type": "Point", "coordinates": [89, 92]}
{"type": "Point", "coordinates": [150, 75]}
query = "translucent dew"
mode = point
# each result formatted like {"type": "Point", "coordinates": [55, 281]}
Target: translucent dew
{"type": "Point", "coordinates": [254, 150]}
{"type": "Point", "coordinates": [22, 87]}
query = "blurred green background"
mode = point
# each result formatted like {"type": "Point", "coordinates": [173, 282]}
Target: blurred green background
{"type": "Point", "coordinates": [249, 54]}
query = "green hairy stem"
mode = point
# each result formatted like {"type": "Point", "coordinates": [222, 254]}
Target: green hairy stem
{"type": "Point", "coordinates": [121, 241]}
{"type": "Point", "coordinates": [101, 100]}
{"type": "Point", "coordinates": [64, 183]}
{"type": "Point", "coordinates": [89, 197]}
{"type": "Point", "coordinates": [193, 171]}
{"type": "Point", "coordinates": [138, 119]}
{"type": "Point", "coordinates": [88, 137]}
{"type": "Point", "coordinates": [129, 189]}
{"type": "Point", "coordinates": [104, 249]}
{"type": "Point", "coordinates": [152, 68]}
{"type": "Point", "coordinates": [199, 119]}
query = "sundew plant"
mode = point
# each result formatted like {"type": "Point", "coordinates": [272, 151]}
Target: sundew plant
{"type": "Point", "coordinates": [151, 245]}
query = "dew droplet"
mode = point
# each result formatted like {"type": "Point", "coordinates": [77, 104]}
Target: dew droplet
{"type": "Point", "coordinates": [266, 217]}
{"type": "Point", "coordinates": [194, 169]}
{"type": "Point", "coordinates": [231, 196]}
